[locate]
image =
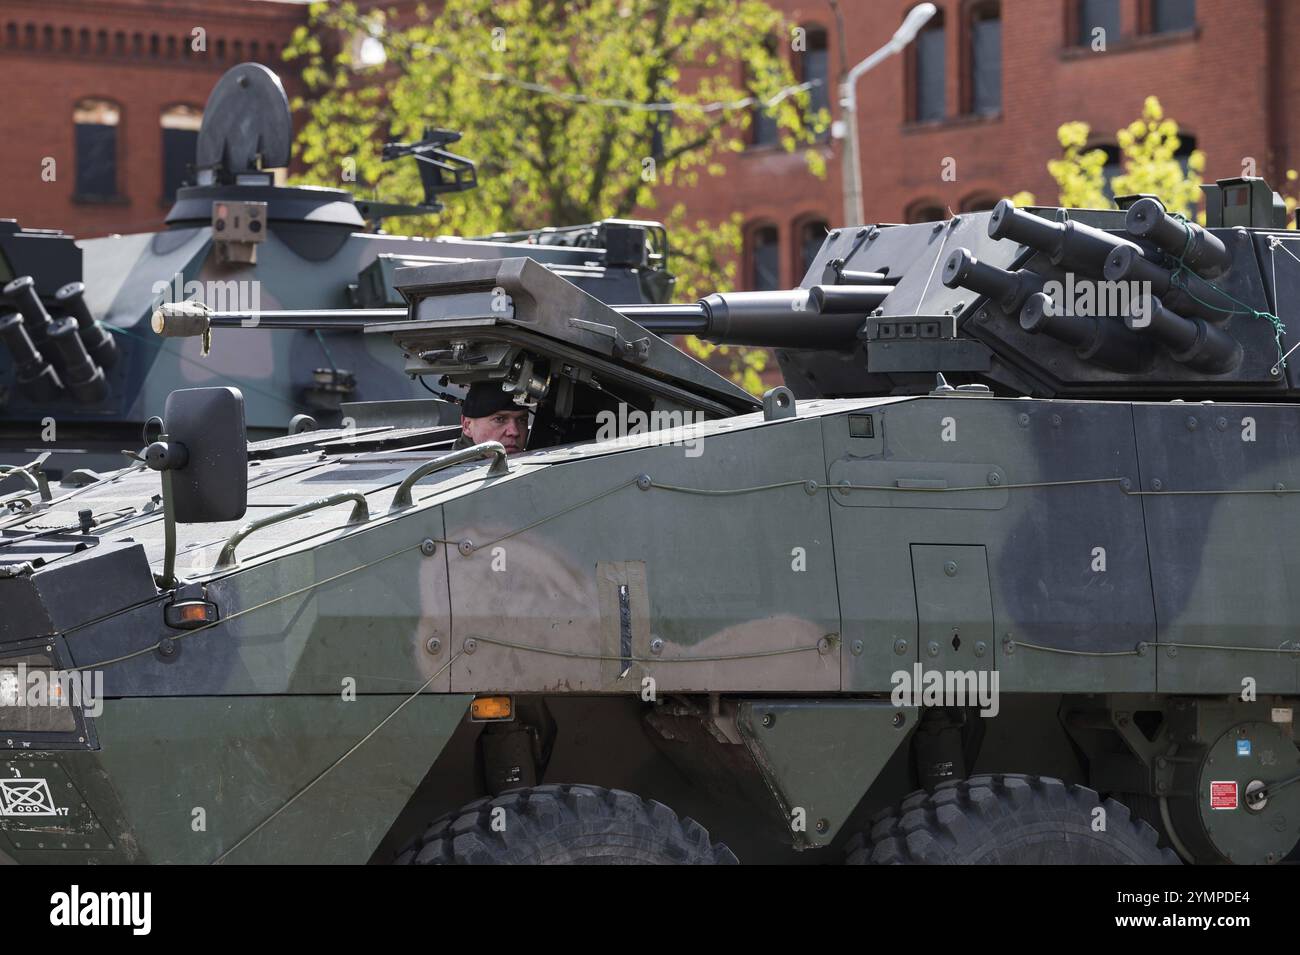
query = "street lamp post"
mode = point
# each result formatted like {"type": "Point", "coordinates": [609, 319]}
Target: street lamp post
{"type": "Point", "coordinates": [852, 171]}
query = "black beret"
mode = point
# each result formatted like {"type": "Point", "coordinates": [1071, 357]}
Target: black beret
{"type": "Point", "coordinates": [486, 398]}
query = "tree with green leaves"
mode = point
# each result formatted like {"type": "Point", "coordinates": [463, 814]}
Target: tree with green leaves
{"type": "Point", "coordinates": [1149, 151]}
{"type": "Point", "coordinates": [574, 111]}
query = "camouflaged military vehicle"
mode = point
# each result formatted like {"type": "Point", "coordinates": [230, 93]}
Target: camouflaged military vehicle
{"type": "Point", "coordinates": [80, 372]}
{"type": "Point", "coordinates": [1005, 574]}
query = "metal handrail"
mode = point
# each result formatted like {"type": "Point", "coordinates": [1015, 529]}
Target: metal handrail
{"type": "Point", "coordinates": [495, 449]}
{"type": "Point", "coordinates": [360, 514]}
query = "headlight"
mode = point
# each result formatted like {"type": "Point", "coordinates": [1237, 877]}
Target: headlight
{"type": "Point", "coordinates": [9, 688]}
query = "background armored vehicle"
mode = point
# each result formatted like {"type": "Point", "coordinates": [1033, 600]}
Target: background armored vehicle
{"type": "Point", "coordinates": [80, 372]}
{"type": "Point", "coordinates": [988, 582]}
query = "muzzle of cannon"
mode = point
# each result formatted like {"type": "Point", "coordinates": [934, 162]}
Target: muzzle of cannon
{"type": "Point", "coordinates": [1200, 250]}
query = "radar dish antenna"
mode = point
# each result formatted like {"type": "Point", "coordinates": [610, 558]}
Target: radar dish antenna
{"type": "Point", "coordinates": [246, 127]}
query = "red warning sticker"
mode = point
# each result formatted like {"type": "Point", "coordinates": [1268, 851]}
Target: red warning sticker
{"type": "Point", "coordinates": [1223, 795]}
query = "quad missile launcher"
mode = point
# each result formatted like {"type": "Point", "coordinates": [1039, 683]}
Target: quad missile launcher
{"type": "Point", "coordinates": [1009, 555]}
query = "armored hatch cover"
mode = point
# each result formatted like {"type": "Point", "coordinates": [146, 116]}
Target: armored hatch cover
{"type": "Point", "coordinates": [247, 125]}
{"type": "Point", "coordinates": [472, 320]}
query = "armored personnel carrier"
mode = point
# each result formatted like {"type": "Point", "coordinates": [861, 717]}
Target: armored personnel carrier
{"type": "Point", "coordinates": [1003, 575]}
{"type": "Point", "coordinates": [80, 372]}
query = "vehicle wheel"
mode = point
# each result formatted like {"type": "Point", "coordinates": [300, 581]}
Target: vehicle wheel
{"type": "Point", "coordinates": [1006, 819]}
{"type": "Point", "coordinates": [565, 825]}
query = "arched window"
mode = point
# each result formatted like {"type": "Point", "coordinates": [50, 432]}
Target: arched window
{"type": "Point", "coordinates": [813, 66]}
{"type": "Point", "coordinates": [1172, 16]}
{"type": "Point", "coordinates": [763, 129]}
{"type": "Point", "coordinates": [180, 136]}
{"type": "Point", "coordinates": [928, 72]}
{"type": "Point", "coordinates": [984, 59]}
{"type": "Point", "coordinates": [811, 236]}
{"type": "Point", "coordinates": [979, 202]}
{"type": "Point", "coordinates": [925, 210]}
{"type": "Point", "coordinates": [96, 122]}
{"type": "Point", "coordinates": [1093, 15]}
{"type": "Point", "coordinates": [764, 259]}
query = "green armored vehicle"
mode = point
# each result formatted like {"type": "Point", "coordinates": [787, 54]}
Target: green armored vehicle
{"type": "Point", "coordinates": [1005, 574]}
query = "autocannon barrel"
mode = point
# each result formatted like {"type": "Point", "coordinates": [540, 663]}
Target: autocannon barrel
{"type": "Point", "coordinates": [1193, 342]}
{"type": "Point", "coordinates": [1200, 250]}
{"type": "Point", "coordinates": [1096, 339]}
{"type": "Point", "coordinates": [825, 316]}
{"type": "Point", "coordinates": [36, 377]}
{"type": "Point", "coordinates": [1193, 296]}
{"type": "Point", "coordinates": [822, 317]}
{"type": "Point", "coordinates": [1007, 289]}
{"type": "Point", "coordinates": [1070, 244]}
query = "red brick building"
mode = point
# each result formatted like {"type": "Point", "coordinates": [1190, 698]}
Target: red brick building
{"type": "Point", "coordinates": [124, 83]}
{"type": "Point", "coordinates": [967, 114]}
{"type": "Point", "coordinates": [1009, 73]}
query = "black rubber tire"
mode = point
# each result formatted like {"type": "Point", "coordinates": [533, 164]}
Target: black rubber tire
{"type": "Point", "coordinates": [566, 825]}
{"type": "Point", "coordinates": [1006, 819]}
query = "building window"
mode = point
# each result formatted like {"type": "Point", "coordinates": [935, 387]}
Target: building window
{"type": "Point", "coordinates": [1094, 15]}
{"type": "Point", "coordinates": [979, 202]}
{"type": "Point", "coordinates": [924, 210]}
{"type": "Point", "coordinates": [814, 66]}
{"type": "Point", "coordinates": [180, 136]}
{"type": "Point", "coordinates": [96, 123]}
{"type": "Point", "coordinates": [764, 259]}
{"type": "Point", "coordinates": [985, 59]}
{"type": "Point", "coordinates": [811, 237]}
{"type": "Point", "coordinates": [1171, 16]}
{"type": "Point", "coordinates": [1112, 167]}
{"type": "Point", "coordinates": [763, 129]}
{"type": "Point", "coordinates": [928, 72]}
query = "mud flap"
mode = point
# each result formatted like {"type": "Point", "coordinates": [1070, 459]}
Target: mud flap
{"type": "Point", "coordinates": [794, 741]}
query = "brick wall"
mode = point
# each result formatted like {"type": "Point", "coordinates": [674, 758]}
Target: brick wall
{"type": "Point", "coordinates": [1218, 81]}
{"type": "Point", "coordinates": [135, 53]}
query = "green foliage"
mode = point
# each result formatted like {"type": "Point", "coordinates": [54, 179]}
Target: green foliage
{"type": "Point", "coordinates": [511, 75]}
{"type": "Point", "coordinates": [1147, 148]}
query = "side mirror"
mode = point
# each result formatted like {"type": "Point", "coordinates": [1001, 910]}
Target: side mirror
{"type": "Point", "coordinates": [205, 451]}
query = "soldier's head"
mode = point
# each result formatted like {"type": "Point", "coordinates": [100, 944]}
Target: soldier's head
{"type": "Point", "coordinates": [490, 414]}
